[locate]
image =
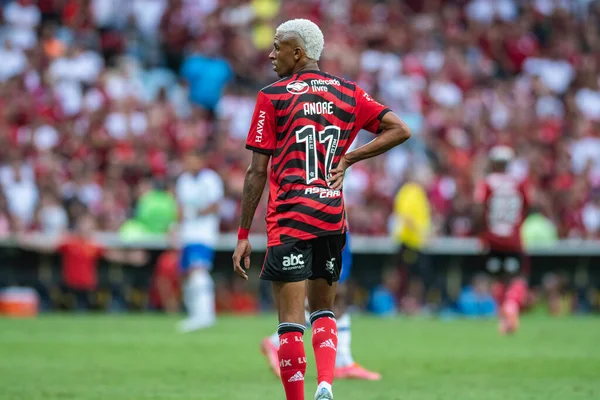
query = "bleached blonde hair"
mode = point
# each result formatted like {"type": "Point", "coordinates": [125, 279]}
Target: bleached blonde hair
{"type": "Point", "coordinates": [308, 32]}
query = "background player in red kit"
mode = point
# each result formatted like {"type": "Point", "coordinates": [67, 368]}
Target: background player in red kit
{"type": "Point", "coordinates": [502, 202]}
{"type": "Point", "coordinates": [304, 124]}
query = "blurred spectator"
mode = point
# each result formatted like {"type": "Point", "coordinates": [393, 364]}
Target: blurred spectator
{"type": "Point", "coordinates": [382, 300]}
{"type": "Point", "coordinates": [591, 216]}
{"type": "Point", "coordinates": [460, 221]}
{"type": "Point", "coordinates": [20, 190]}
{"type": "Point", "coordinates": [555, 296]}
{"type": "Point", "coordinates": [14, 61]}
{"type": "Point", "coordinates": [133, 230]}
{"type": "Point", "coordinates": [476, 300]}
{"type": "Point", "coordinates": [206, 73]}
{"type": "Point", "coordinates": [157, 207]}
{"type": "Point", "coordinates": [7, 225]}
{"type": "Point", "coordinates": [538, 230]}
{"type": "Point", "coordinates": [80, 256]}
{"type": "Point", "coordinates": [486, 11]}
{"type": "Point", "coordinates": [52, 216]}
{"type": "Point", "coordinates": [22, 17]}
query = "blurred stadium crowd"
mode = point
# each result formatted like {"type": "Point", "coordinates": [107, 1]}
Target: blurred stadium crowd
{"type": "Point", "coordinates": [100, 100]}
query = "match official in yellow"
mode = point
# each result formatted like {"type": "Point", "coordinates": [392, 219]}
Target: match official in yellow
{"type": "Point", "coordinates": [412, 229]}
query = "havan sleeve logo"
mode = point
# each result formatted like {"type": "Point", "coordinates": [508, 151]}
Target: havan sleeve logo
{"type": "Point", "coordinates": [260, 126]}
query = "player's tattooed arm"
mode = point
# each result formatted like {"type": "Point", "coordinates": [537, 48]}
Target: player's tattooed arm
{"type": "Point", "coordinates": [254, 185]}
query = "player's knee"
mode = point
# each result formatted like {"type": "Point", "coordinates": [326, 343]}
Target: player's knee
{"type": "Point", "coordinates": [321, 314]}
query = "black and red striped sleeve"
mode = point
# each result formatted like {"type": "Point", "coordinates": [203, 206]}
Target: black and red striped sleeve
{"type": "Point", "coordinates": [369, 113]}
{"type": "Point", "coordinates": [261, 136]}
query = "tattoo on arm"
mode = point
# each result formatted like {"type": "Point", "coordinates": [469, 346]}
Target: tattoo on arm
{"type": "Point", "coordinates": [254, 185]}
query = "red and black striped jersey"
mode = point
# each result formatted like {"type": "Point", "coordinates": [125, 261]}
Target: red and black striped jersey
{"type": "Point", "coordinates": [306, 122]}
{"type": "Point", "coordinates": [505, 200]}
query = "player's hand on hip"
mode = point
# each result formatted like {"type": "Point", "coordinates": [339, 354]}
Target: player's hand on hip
{"type": "Point", "coordinates": [336, 175]}
{"type": "Point", "coordinates": [242, 252]}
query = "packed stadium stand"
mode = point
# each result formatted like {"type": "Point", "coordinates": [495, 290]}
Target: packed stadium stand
{"type": "Point", "coordinates": [100, 99]}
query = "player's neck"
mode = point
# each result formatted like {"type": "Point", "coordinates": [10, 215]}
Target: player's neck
{"type": "Point", "coordinates": [309, 66]}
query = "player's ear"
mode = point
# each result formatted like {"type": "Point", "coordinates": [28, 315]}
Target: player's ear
{"type": "Point", "coordinates": [297, 53]}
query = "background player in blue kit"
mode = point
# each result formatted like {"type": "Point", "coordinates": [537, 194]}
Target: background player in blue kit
{"type": "Point", "coordinates": [199, 191]}
{"type": "Point", "coordinates": [345, 366]}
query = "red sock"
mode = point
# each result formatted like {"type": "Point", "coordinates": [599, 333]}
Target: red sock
{"type": "Point", "coordinates": [292, 361]}
{"type": "Point", "coordinates": [517, 292]}
{"type": "Point", "coordinates": [324, 341]}
{"type": "Point", "coordinates": [498, 290]}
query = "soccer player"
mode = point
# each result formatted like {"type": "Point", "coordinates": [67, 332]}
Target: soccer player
{"type": "Point", "coordinates": [501, 206]}
{"type": "Point", "coordinates": [199, 191]}
{"type": "Point", "coordinates": [345, 367]}
{"type": "Point", "coordinates": [303, 124]}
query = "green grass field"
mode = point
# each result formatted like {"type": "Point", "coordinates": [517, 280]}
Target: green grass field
{"type": "Point", "coordinates": [141, 357]}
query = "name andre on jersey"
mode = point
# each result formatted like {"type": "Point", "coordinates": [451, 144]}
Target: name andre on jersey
{"type": "Point", "coordinates": [322, 107]}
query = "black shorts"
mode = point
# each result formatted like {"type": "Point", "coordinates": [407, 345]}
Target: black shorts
{"type": "Point", "coordinates": [305, 259]}
{"type": "Point", "coordinates": [503, 263]}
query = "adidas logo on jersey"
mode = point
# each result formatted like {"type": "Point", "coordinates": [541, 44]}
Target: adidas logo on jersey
{"type": "Point", "coordinates": [297, 377]}
{"type": "Point", "coordinates": [293, 261]}
{"type": "Point", "coordinates": [328, 343]}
